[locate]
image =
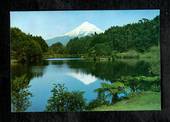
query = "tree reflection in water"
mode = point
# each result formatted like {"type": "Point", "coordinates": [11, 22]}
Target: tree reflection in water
{"type": "Point", "coordinates": [20, 80]}
{"type": "Point", "coordinates": [134, 74]}
{"type": "Point", "coordinates": [111, 71]}
{"type": "Point", "coordinates": [20, 94]}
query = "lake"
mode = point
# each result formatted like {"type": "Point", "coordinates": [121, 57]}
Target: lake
{"type": "Point", "coordinates": [76, 74]}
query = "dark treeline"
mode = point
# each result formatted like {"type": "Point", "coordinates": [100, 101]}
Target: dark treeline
{"type": "Point", "coordinates": [26, 48]}
{"type": "Point", "coordinates": [138, 36]}
{"type": "Point", "coordinates": [57, 48]}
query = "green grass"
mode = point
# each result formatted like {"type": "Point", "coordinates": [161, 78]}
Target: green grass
{"type": "Point", "coordinates": [145, 101]}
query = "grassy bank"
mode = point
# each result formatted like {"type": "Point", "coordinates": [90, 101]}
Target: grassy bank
{"type": "Point", "coordinates": [145, 101]}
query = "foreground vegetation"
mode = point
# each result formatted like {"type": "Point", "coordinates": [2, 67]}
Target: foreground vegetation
{"type": "Point", "coordinates": [20, 94]}
{"type": "Point", "coordinates": [130, 94]}
{"type": "Point", "coordinates": [64, 101]}
{"type": "Point", "coordinates": [144, 101]}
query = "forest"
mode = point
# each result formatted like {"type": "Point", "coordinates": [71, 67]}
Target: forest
{"type": "Point", "coordinates": [126, 41]}
{"type": "Point", "coordinates": [136, 36]}
{"type": "Point", "coordinates": [26, 48]}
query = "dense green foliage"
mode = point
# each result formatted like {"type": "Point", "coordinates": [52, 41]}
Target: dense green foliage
{"type": "Point", "coordinates": [20, 94]}
{"type": "Point", "coordinates": [112, 89]}
{"type": "Point", "coordinates": [136, 36]}
{"type": "Point", "coordinates": [64, 101]}
{"type": "Point", "coordinates": [57, 48]}
{"type": "Point", "coordinates": [26, 48]}
{"type": "Point", "coordinates": [142, 83]}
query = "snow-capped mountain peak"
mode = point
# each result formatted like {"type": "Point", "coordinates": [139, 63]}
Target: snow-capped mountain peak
{"type": "Point", "coordinates": [84, 29]}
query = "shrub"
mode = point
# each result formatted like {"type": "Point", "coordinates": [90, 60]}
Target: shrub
{"type": "Point", "coordinates": [96, 103]}
{"type": "Point", "coordinates": [64, 101]}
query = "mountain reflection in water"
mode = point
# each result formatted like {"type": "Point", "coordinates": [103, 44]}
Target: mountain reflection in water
{"type": "Point", "coordinates": [76, 74]}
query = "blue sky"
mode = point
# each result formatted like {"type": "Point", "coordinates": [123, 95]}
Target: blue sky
{"type": "Point", "coordinates": [49, 24]}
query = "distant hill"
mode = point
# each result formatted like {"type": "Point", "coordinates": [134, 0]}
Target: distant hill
{"type": "Point", "coordinates": [82, 30]}
{"type": "Point", "coordinates": [62, 39]}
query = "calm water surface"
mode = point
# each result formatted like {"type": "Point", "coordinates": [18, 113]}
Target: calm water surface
{"type": "Point", "coordinates": [76, 74]}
